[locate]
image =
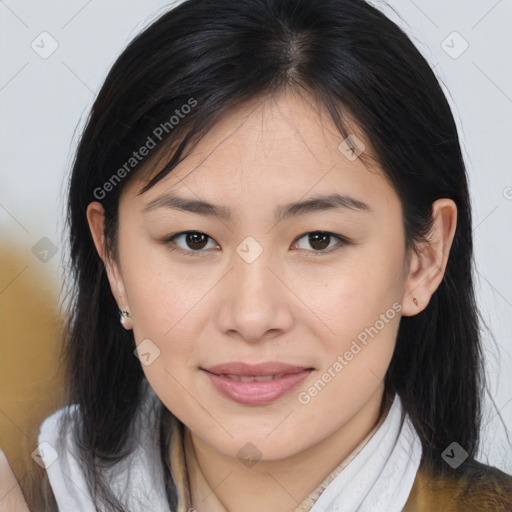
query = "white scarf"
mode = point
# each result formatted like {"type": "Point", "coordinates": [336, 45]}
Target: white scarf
{"type": "Point", "coordinates": [378, 478]}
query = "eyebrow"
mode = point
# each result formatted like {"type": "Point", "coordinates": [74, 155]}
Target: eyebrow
{"type": "Point", "coordinates": [315, 204]}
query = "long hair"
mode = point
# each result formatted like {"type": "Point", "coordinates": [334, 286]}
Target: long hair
{"type": "Point", "coordinates": [214, 55]}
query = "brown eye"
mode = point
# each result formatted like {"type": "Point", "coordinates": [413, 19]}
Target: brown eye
{"type": "Point", "coordinates": [196, 240]}
{"type": "Point", "coordinates": [321, 241]}
{"type": "Point", "coordinates": [190, 242]}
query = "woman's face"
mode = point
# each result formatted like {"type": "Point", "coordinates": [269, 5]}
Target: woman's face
{"type": "Point", "coordinates": [256, 282]}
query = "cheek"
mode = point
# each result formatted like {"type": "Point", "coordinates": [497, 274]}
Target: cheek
{"type": "Point", "coordinates": [166, 307]}
{"type": "Point", "coordinates": [360, 306]}
{"type": "Point", "coordinates": [169, 311]}
{"type": "Point", "coordinates": [363, 319]}
{"type": "Point", "coordinates": [362, 310]}
{"type": "Point", "coordinates": [162, 290]}
{"type": "Point", "coordinates": [353, 294]}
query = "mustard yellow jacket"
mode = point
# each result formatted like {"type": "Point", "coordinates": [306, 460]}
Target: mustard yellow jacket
{"type": "Point", "coordinates": [472, 487]}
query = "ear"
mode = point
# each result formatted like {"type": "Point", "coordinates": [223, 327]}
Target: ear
{"type": "Point", "coordinates": [96, 220]}
{"type": "Point", "coordinates": [428, 262]}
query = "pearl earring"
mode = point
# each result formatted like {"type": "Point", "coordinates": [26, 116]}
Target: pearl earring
{"type": "Point", "coordinates": [124, 317]}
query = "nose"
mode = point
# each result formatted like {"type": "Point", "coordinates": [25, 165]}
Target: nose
{"type": "Point", "coordinates": [255, 303]}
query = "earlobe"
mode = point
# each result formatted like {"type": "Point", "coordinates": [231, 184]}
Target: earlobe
{"type": "Point", "coordinates": [428, 262]}
{"type": "Point", "coordinates": [96, 220]}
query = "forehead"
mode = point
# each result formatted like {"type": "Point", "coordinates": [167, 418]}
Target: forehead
{"type": "Point", "coordinates": [274, 147]}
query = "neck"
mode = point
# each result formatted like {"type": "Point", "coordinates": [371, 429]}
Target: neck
{"type": "Point", "coordinates": [219, 483]}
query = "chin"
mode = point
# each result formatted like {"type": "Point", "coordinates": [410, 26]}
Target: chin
{"type": "Point", "coordinates": [256, 444]}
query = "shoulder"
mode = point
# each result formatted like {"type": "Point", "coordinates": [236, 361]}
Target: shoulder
{"type": "Point", "coordinates": [134, 475]}
{"type": "Point", "coordinates": [54, 435]}
{"type": "Point", "coordinates": [57, 455]}
{"type": "Point", "coordinates": [472, 486]}
{"type": "Point", "coordinates": [53, 422]}
{"type": "Point", "coordinates": [11, 497]}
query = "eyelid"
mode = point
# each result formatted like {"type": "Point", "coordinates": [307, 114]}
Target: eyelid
{"type": "Point", "coordinates": [343, 241]}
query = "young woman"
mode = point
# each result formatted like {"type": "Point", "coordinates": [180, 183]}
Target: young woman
{"type": "Point", "coordinates": [271, 239]}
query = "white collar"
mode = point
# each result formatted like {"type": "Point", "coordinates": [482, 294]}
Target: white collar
{"type": "Point", "coordinates": [380, 477]}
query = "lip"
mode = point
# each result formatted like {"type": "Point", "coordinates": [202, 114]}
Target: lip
{"type": "Point", "coordinates": [256, 392]}
{"type": "Point", "coordinates": [268, 368]}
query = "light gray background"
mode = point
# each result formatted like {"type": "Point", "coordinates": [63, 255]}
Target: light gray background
{"type": "Point", "coordinates": [44, 101]}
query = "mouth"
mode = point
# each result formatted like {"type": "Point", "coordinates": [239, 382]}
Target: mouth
{"type": "Point", "coordinates": [256, 384]}
{"type": "Point", "coordinates": [249, 378]}
{"type": "Point", "coordinates": [268, 369]}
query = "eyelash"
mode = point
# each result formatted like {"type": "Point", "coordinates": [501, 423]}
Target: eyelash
{"type": "Point", "coordinates": [343, 241]}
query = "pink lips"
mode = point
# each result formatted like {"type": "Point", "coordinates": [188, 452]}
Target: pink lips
{"type": "Point", "coordinates": [280, 378]}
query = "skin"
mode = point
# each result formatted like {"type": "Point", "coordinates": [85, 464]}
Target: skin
{"type": "Point", "coordinates": [11, 497]}
{"type": "Point", "coordinates": [297, 302]}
